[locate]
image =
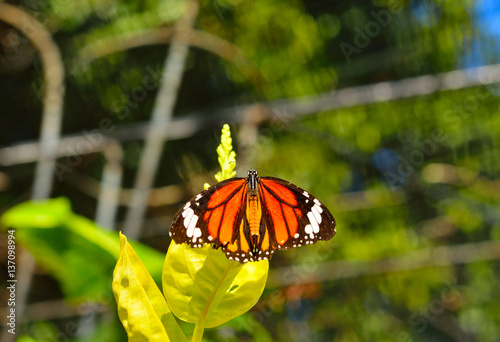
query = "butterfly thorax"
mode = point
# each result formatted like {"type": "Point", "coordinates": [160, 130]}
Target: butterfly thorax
{"type": "Point", "coordinates": [253, 182]}
{"type": "Point", "coordinates": [254, 210]}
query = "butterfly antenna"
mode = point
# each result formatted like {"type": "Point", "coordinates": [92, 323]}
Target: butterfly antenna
{"type": "Point", "coordinates": [245, 164]}
{"type": "Point", "coordinates": [259, 168]}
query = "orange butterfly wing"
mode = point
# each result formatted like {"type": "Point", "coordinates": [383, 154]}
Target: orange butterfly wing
{"type": "Point", "coordinates": [292, 216]}
{"type": "Point", "coordinates": [213, 216]}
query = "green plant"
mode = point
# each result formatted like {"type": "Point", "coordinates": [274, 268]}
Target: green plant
{"type": "Point", "coordinates": [200, 285]}
{"type": "Point", "coordinates": [77, 252]}
{"type": "Point", "coordinates": [80, 255]}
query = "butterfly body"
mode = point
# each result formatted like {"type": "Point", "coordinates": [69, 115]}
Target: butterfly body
{"type": "Point", "coordinates": [250, 218]}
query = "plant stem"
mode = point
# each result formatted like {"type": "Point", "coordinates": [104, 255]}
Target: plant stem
{"type": "Point", "coordinates": [198, 330]}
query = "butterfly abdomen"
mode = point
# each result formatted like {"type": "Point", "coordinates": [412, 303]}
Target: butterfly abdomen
{"type": "Point", "coordinates": [254, 215]}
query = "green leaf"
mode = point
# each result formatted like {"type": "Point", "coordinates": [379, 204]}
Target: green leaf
{"type": "Point", "coordinates": [202, 285]}
{"type": "Point", "coordinates": [78, 253]}
{"type": "Point", "coordinates": [40, 214]}
{"type": "Point", "coordinates": [141, 306]}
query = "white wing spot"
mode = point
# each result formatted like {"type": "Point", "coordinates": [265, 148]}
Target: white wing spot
{"type": "Point", "coordinates": [187, 218]}
{"type": "Point", "coordinates": [198, 197]}
{"type": "Point", "coordinates": [192, 224]}
{"type": "Point", "coordinates": [317, 202]}
{"type": "Point", "coordinates": [197, 233]}
{"type": "Point", "coordinates": [236, 258]}
{"type": "Point", "coordinates": [306, 194]}
{"type": "Point", "coordinates": [186, 211]}
{"type": "Point", "coordinates": [186, 206]}
{"type": "Point", "coordinates": [296, 236]}
{"type": "Point", "coordinates": [316, 213]}
{"type": "Point", "coordinates": [245, 260]}
{"type": "Point", "coordinates": [308, 229]}
{"type": "Point", "coordinates": [210, 238]}
{"type": "Point", "coordinates": [313, 221]}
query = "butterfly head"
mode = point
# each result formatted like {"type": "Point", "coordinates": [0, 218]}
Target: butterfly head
{"type": "Point", "coordinates": [252, 180]}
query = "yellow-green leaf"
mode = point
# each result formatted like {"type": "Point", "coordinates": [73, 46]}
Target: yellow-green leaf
{"type": "Point", "coordinates": [202, 285]}
{"type": "Point", "coordinates": [141, 306]}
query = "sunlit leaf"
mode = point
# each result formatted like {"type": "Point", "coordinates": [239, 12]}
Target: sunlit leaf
{"type": "Point", "coordinates": [141, 306]}
{"type": "Point", "coordinates": [201, 283]}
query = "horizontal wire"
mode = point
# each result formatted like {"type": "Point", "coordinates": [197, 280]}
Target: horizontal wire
{"type": "Point", "coordinates": [190, 124]}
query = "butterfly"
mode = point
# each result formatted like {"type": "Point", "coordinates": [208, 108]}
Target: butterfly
{"type": "Point", "coordinates": [251, 218]}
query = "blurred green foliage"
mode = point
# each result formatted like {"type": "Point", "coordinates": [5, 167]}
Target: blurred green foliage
{"type": "Point", "coordinates": [399, 176]}
{"type": "Point", "coordinates": [79, 254]}
{"type": "Point", "coordinates": [389, 149]}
